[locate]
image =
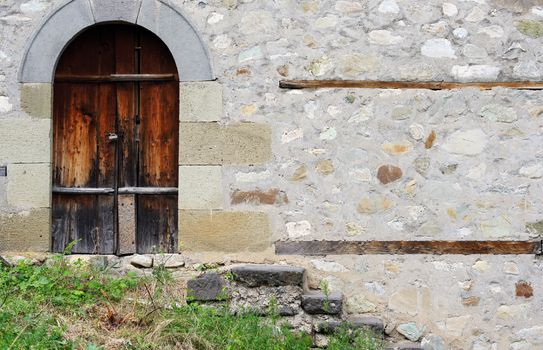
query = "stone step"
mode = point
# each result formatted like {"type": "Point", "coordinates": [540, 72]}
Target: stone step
{"type": "Point", "coordinates": [268, 275]}
{"type": "Point", "coordinates": [373, 323]}
{"type": "Point", "coordinates": [404, 346]}
{"type": "Point", "coordinates": [318, 303]}
{"type": "Point", "coordinates": [209, 287]}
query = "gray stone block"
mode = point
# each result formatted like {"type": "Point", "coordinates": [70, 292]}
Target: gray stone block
{"type": "Point", "coordinates": [57, 31]}
{"type": "Point", "coordinates": [141, 261]}
{"type": "Point", "coordinates": [181, 37]}
{"type": "Point", "coordinates": [269, 275]}
{"type": "Point", "coordinates": [319, 303]}
{"type": "Point", "coordinates": [373, 323]}
{"type": "Point", "coordinates": [115, 10]}
{"type": "Point", "coordinates": [367, 322]}
{"type": "Point", "coordinates": [208, 287]}
{"type": "Point", "coordinates": [286, 310]}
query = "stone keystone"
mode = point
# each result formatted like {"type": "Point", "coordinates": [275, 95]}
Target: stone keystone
{"type": "Point", "coordinates": [269, 275]}
{"type": "Point", "coordinates": [209, 287]}
{"type": "Point", "coordinates": [321, 304]}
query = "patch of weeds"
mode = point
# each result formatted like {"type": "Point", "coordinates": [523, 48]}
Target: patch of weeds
{"type": "Point", "coordinates": [323, 285]}
{"type": "Point", "coordinates": [273, 310]}
{"type": "Point", "coordinates": [162, 275]}
{"type": "Point", "coordinates": [223, 295]}
{"type": "Point", "coordinates": [229, 276]}
{"type": "Point", "coordinates": [31, 297]}
{"type": "Point", "coordinates": [196, 327]}
{"type": "Point", "coordinates": [346, 338]}
{"type": "Point", "coordinates": [205, 267]}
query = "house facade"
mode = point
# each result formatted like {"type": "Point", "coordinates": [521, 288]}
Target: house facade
{"type": "Point", "coordinates": [266, 160]}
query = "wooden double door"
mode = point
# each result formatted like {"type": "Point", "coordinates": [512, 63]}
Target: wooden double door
{"type": "Point", "coordinates": [115, 160]}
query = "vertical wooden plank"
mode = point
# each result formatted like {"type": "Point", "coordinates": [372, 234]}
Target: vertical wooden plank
{"type": "Point", "coordinates": [82, 154]}
{"type": "Point", "coordinates": [74, 145]}
{"type": "Point", "coordinates": [157, 223]}
{"type": "Point", "coordinates": [158, 154]}
{"type": "Point", "coordinates": [127, 131]}
{"type": "Point", "coordinates": [157, 214]}
{"type": "Point", "coordinates": [126, 63]}
{"type": "Point", "coordinates": [83, 157]}
{"type": "Point", "coordinates": [84, 219]}
{"type": "Point", "coordinates": [106, 149]}
{"type": "Point", "coordinates": [159, 134]}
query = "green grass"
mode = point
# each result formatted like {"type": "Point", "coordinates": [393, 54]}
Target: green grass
{"type": "Point", "coordinates": [60, 305]}
{"type": "Point", "coordinates": [31, 299]}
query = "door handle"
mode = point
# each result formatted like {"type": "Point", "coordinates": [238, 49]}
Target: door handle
{"type": "Point", "coordinates": [111, 136]}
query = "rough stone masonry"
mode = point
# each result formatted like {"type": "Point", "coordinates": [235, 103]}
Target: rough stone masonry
{"type": "Point", "coordinates": [344, 164]}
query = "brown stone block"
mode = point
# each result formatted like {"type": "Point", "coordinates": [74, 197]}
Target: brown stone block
{"type": "Point", "coordinates": [524, 289]}
{"type": "Point", "coordinates": [25, 232]}
{"type": "Point", "coordinates": [430, 140]}
{"type": "Point", "coordinates": [272, 196]}
{"type": "Point", "coordinates": [389, 173]}
{"type": "Point", "coordinates": [211, 143]}
{"type": "Point", "coordinates": [204, 230]}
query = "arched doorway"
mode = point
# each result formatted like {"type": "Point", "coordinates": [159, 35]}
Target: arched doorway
{"type": "Point", "coordinates": [115, 143]}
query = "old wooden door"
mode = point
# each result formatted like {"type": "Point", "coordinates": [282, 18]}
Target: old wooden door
{"type": "Point", "coordinates": [115, 160]}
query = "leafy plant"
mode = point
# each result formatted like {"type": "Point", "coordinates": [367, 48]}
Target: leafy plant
{"type": "Point", "coordinates": [323, 285]}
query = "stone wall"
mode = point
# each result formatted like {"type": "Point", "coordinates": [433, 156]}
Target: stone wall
{"type": "Point", "coordinates": [461, 164]}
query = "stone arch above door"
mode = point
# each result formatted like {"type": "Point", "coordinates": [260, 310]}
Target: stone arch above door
{"type": "Point", "coordinates": [169, 24]}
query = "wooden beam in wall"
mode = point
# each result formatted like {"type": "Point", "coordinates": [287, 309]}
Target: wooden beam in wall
{"type": "Point", "coordinates": [431, 85]}
{"type": "Point", "coordinates": [406, 247]}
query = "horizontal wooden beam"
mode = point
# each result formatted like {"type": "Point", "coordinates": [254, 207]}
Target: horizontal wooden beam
{"type": "Point", "coordinates": [430, 85]}
{"type": "Point", "coordinates": [406, 247]}
{"type": "Point", "coordinates": [62, 78]}
{"type": "Point", "coordinates": [148, 190]}
{"type": "Point", "coordinates": [121, 190]}
{"type": "Point", "coordinates": [83, 190]}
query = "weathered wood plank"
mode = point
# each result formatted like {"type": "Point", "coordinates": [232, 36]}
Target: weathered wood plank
{"type": "Point", "coordinates": [431, 85]}
{"type": "Point", "coordinates": [406, 247]}
{"type": "Point", "coordinates": [158, 151]}
{"type": "Point", "coordinates": [86, 220]}
{"type": "Point", "coordinates": [157, 224]}
{"type": "Point", "coordinates": [148, 190]}
{"type": "Point", "coordinates": [114, 78]}
{"type": "Point", "coordinates": [83, 190]}
{"type": "Point", "coordinates": [121, 190]}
